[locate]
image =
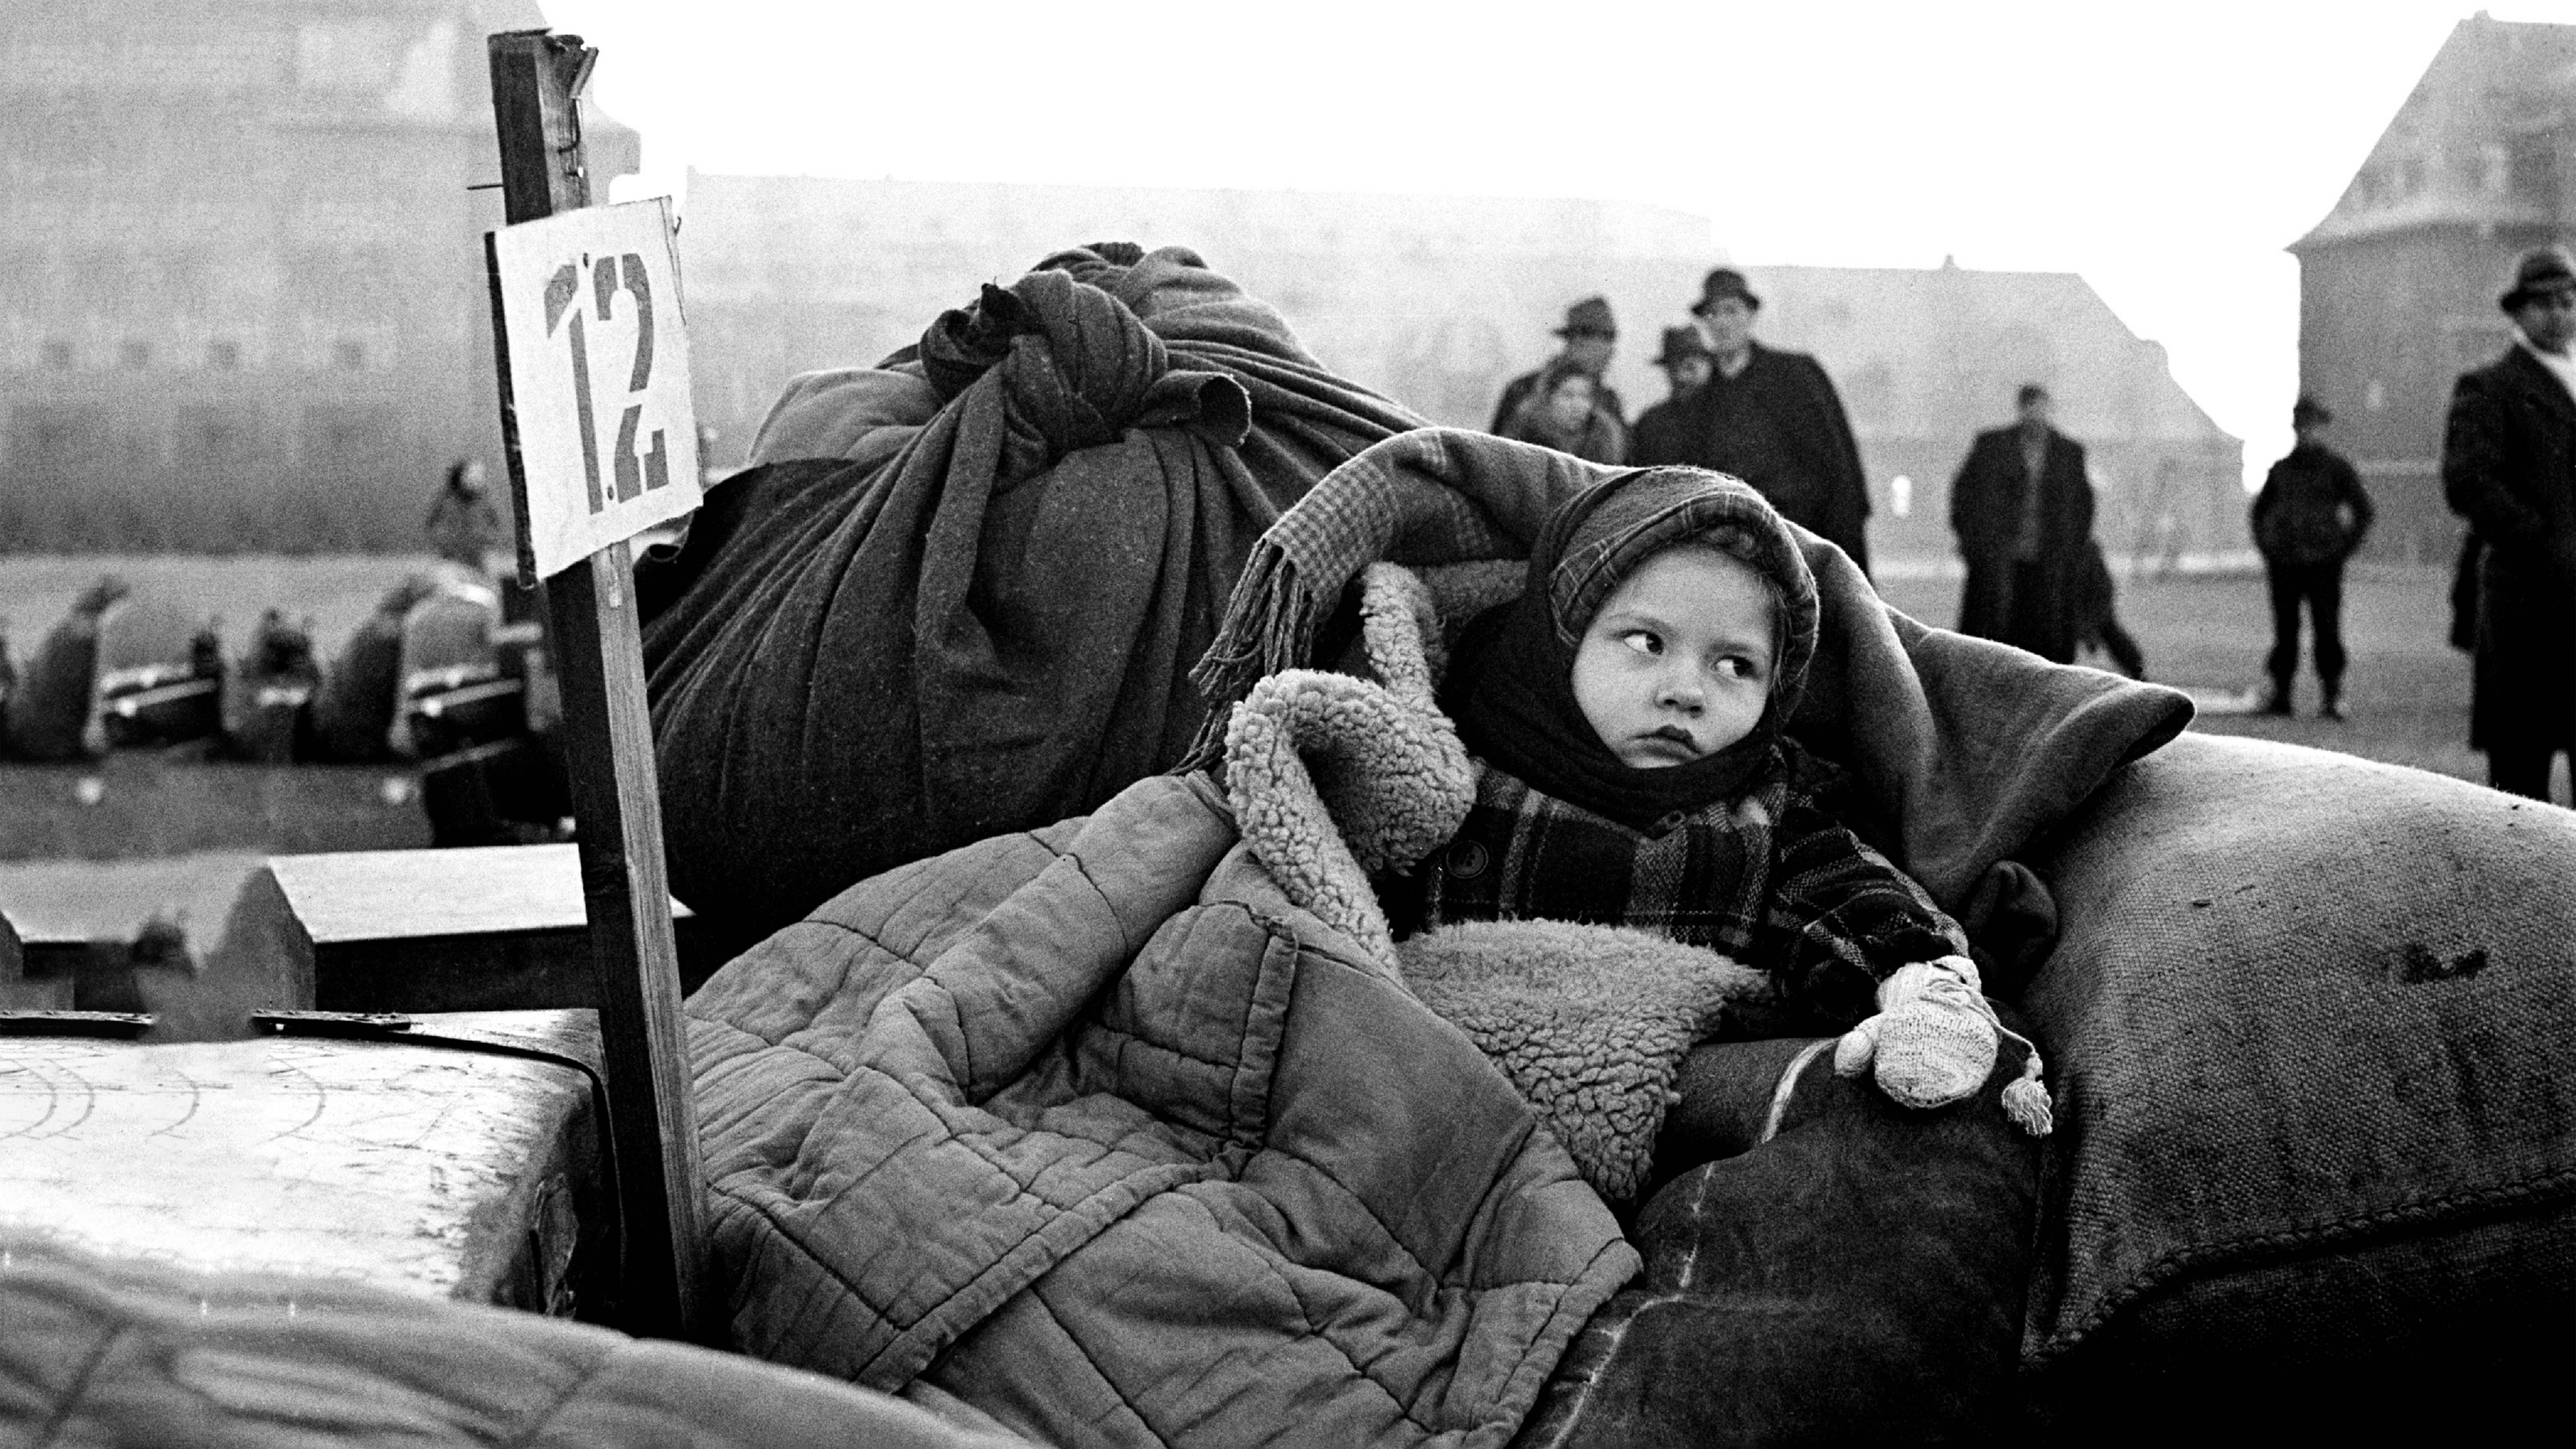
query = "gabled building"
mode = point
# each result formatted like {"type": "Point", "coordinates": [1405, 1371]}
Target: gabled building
{"type": "Point", "coordinates": [1439, 301]}
{"type": "Point", "coordinates": [243, 303]}
{"type": "Point", "coordinates": [2398, 284]}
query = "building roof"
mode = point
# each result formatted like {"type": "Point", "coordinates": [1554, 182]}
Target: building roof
{"type": "Point", "coordinates": [2476, 142]}
{"type": "Point", "coordinates": [1928, 352]}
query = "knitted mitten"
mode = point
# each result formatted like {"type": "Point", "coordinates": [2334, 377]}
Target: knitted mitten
{"type": "Point", "coordinates": [1934, 1043]}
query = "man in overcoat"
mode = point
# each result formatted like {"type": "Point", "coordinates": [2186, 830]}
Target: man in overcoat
{"type": "Point", "coordinates": [2509, 467]}
{"type": "Point", "coordinates": [1771, 418]}
{"type": "Point", "coordinates": [1591, 338]}
{"type": "Point", "coordinates": [2308, 519]}
{"type": "Point", "coordinates": [2023, 509]}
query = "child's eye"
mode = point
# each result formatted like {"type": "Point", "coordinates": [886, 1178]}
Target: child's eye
{"type": "Point", "coordinates": [1644, 641]}
{"type": "Point", "coordinates": [1737, 666]}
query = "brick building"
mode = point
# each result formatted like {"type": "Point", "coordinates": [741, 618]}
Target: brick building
{"type": "Point", "coordinates": [2398, 284]}
{"type": "Point", "coordinates": [244, 305]}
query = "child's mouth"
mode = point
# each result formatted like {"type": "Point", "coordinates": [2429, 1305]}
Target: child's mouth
{"type": "Point", "coordinates": [1673, 738]}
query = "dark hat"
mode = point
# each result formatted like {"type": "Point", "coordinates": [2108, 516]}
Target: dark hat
{"type": "Point", "coordinates": [1681, 342]}
{"type": "Point", "coordinates": [2541, 269]}
{"type": "Point", "coordinates": [1592, 314]}
{"type": "Point", "coordinates": [1724, 282]}
{"type": "Point", "coordinates": [2308, 410]}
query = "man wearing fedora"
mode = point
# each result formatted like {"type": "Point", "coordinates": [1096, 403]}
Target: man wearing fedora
{"type": "Point", "coordinates": [2308, 518]}
{"type": "Point", "coordinates": [1771, 418]}
{"type": "Point", "coordinates": [1686, 361]}
{"type": "Point", "coordinates": [1590, 338]}
{"type": "Point", "coordinates": [2509, 467]}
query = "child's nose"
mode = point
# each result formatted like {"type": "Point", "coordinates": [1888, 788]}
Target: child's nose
{"type": "Point", "coordinates": [1682, 690]}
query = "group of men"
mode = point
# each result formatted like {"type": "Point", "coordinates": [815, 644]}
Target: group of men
{"type": "Point", "coordinates": [2022, 504]}
{"type": "Point", "coordinates": [1769, 417]}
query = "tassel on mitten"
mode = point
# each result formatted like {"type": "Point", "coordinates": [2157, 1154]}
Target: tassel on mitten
{"type": "Point", "coordinates": [1934, 1040]}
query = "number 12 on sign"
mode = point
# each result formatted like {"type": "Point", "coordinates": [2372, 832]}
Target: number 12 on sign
{"type": "Point", "coordinates": [585, 301]}
{"type": "Point", "coordinates": [608, 275]}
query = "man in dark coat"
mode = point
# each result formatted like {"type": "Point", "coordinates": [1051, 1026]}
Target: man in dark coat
{"type": "Point", "coordinates": [1770, 418]}
{"type": "Point", "coordinates": [1591, 336]}
{"type": "Point", "coordinates": [2509, 467]}
{"type": "Point", "coordinates": [1661, 429]}
{"type": "Point", "coordinates": [2023, 509]}
{"type": "Point", "coordinates": [2308, 519]}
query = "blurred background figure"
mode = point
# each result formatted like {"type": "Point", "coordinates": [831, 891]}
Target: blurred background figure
{"type": "Point", "coordinates": [1771, 418]}
{"type": "Point", "coordinates": [2023, 509]}
{"type": "Point", "coordinates": [1686, 362]}
{"type": "Point", "coordinates": [1591, 340]}
{"type": "Point", "coordinates": [1564, 412]}
{"type": "Point", "coordinates": [2097, 615]}
{"type": "Point", "coordinates": [2309, 517]}
{"type": "Point", "coordinates": [464, 525]}
{"type": "Point", "coordinates": [2508, 451]}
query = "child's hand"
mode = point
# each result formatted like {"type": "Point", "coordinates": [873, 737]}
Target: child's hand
{"type": "Point", "coordinates": [1933, 1039]}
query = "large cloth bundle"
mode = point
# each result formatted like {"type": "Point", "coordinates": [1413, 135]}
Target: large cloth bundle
{"type": "Point", "coordinates": [963, 593]}
{"type": "Point", "coordinates": [1138, 1130]}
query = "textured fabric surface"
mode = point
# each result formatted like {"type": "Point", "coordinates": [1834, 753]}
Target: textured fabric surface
{"type": "Point", "coordinates": [1855, 1279]}
{"type": "Point", "coordinates": [100, 1352]}
{"type": "Point", "coordinates": [1588, 1022]}
{"type": "Point", "coordinates": [2309, 1023]}
{"type": "Point", "coordinates": [1770, 878]}
{"type": "Point", "coordinates": [868, 658]}
{"type": "Point", "coordinates": [1098, 1131]}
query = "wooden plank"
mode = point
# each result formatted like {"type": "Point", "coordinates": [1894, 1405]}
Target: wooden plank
{"type": "Point", "coordinates": [537, 80]}
{"type": "Point", "coordinates": [22, 990]}
{"type": "Point", "coordinates": [489, 928]}
{"type": "Point", "coordinates": [389, 895]}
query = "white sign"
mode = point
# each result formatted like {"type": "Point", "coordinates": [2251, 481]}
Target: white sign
{"type": "Point", "coordinates": [598, 363]}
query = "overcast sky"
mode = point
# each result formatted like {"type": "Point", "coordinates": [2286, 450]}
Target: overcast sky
{"type": "Point", "coordinates": [2168, 152]}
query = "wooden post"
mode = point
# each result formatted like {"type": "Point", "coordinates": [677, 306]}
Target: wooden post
{"type": "Point", "coordinates": [537, 79]}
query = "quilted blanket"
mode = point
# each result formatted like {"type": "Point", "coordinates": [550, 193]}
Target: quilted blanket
{"type": "Point", "coordinates": [1095, 1129]}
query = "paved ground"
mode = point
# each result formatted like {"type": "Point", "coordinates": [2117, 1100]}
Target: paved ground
{"type": "Point", "coordinates": [2407, 690]}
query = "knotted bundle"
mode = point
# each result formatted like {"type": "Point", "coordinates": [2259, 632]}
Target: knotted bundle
{"type": "Point", "coordinates": [976, 615]}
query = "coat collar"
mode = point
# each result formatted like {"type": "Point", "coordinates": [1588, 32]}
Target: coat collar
{"type": "Point", "coordinates": [2535, 377]}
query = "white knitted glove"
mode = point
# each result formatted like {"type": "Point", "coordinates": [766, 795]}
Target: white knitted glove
{"type": "Point", "coordinates": [1934, 1042]}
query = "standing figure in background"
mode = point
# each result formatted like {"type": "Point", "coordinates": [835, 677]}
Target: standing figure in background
{"type": "Point", "coordinates": [1564, 412]}
{"type": "Point", "coordinates": [1771, 418]}
{"type": "Point", "coordinates": [2309, 517]}
{"type": "Point", "coordinates": [1661, 430]}
{"type": "Point", "coordinates": [1590, 339]}
{"type": "Point", "coordinates": [2097, 615]}
{"type": "Point", "coordinates": [2023, 509]}
{"type": "Point", "coordinates": [2509, 468]}
{"type": "Point", "coordinates": [464, 526]}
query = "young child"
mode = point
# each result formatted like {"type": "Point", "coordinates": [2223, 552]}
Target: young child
{"type": "Point", "coordinates": [1625, 715]}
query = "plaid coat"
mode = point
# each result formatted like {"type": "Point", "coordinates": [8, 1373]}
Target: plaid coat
{"type": "Point", "coordinates": [1772, 879]}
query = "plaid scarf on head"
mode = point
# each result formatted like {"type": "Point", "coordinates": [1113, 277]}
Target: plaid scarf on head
{"type": "Point", "coordinates": [1431, 496]}
{"type": "Point", "coordinates": [1769, 877]}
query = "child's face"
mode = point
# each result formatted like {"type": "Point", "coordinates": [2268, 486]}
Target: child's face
{"type": "Point", "coordinates": [1677, 665]}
